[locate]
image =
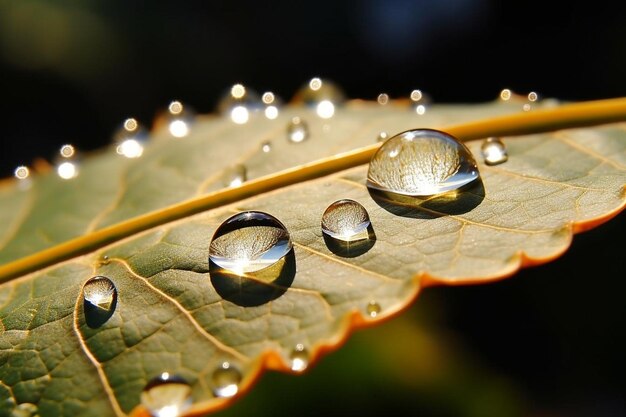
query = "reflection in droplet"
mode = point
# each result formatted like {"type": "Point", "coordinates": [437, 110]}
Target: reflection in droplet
{"type": "Point", "coordinates": [299, 358]}
{"type": "Point", "coordinates": [318, 90]}
{"type": "Point", "coordinates": [346, 220]}
{"type": "Point", "coordinates": [226, 379]}
{"type": "Point", "coordinates": [266, 147]}
{"type": "Point", "coordinates": [494, 151]}
{"type": "Point", "coordinates": [166, 396]}
{"type": "Point", "coordinates": [325, 109]}
{"type": "Point", "coordinates": [99, 300]}
{"type": "Point", "coordinates": [422, 162]}
{"type": "Point", "coordinates": [297, 130]}
{"type": "Point", "coordinates": [505, 94]}
{"type": "Point", "coordinates": [239, 103]}
{"type": "Point", "coordinates": [383, 99]}
{"type": "Point", "coordinates": [130, 139]}
{"type": "Point", "coordinates": [382, 136]}
{"type": "Point", "coordinates": [272, 102]}
{"type": "Point", "coordinates": [100, 292]}
{"type": "Point", "coordinates": [248, 242]}
{"type": "Point", "coordinates": [179, 119]}
{"type": "Point", "coordinates": [235, 176]}
{"type": "Point", "coordinates": [22, 172]}
{"type": "Point", "coordinates": [67, 170]}
{"type": "Point", "coordinates": [372, 309]}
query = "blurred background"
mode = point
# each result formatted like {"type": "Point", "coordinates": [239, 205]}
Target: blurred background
{"type": "Point", "coordinates": [547, 342]}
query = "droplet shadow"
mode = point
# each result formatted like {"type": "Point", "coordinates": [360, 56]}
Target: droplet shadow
{"type": "Point", "coordinates": [96, 316]}
{"type": "Point", "coordinates": [254, 288]}
{"type": "Point", "coordinates": [455, 202]}
{"type": "Point", "coordinates": [351, 249]}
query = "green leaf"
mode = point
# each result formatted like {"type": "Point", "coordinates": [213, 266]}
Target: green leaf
{"type": "Point", "coordinates": [147, 224]}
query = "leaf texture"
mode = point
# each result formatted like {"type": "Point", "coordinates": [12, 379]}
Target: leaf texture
{"type": "Point", "coordinates": [174, 314]}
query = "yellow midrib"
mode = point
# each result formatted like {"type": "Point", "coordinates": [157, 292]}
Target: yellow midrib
{"type": "Point", "coordinates": [566, 116]}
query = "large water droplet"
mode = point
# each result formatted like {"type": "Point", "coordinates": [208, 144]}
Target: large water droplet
{"type": "Point", "coordinates": [239, 103]}
{"type": "Point", "coordinates": [249, 241]}
{"type": "Point", "coordinates": [297, 130]}
{"type": "Point", "coordinates": [226, 379]}
{"type": "Point", "coordinates": [99, 300]}
{"type": "Point", "coordinates": [346, 220]}
{"type": "Point", "coordinates": [299, 358]}
{"type": "Point", "coordinates": [494, 151]}
{"type": "Point", "coordinates": [166, 396]}
{"type": "Point", "coordinates": [130, 138]}
{"type": "Point", "coordinates": [421, 162]}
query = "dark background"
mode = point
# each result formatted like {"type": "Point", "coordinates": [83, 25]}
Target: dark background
{"type": "Point", "coordinates": [72, 71]}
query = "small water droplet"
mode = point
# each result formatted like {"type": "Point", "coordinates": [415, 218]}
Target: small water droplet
{"type": "Point", "coordinates": [382, 136]}
{"type": "Point", "coordinates": [67, 170]}
{"type": "Point", "coordinates": [130, 138]}
{"type": "Point", "coordinates": [318, 91]}
{"type": "Point", "coordinates": [67, 151]}
{"type": "Point", "coordinates": [422, 162]}
{"type": "Point", "coordinates": [299, 358]}
{"type": "Point", "coordinates": [383, 98]}
{"type": "Point", "coordinates": [416, 95]}
{"type": "Point", "coordinates": [179, 118]}
{"type": "Point", "coordinates": [527, 107]}
{"type": "Point", "coordinates": [235, 176]}
{"type": "Point", "coordinates": [297, 130]}
{"type": "Point", "coordinates": [226, 379]}
{"type": "Point", "coordinates": [494, 151]}
{"type": "Point", "coordinates": [239, 103]}
{"type": "Point", "coordinates": [166, 396]}
{"type": "Point", "coordinates": [533, 96]}
{"type": "Point", "coordinates": [248, 242]}
{"type": "Point", "coordinates": [266, 147]}
{"type": "Point", "coordinates": [420, 109]}
{"type": "Point", "coordinates": [346, 220]}
{"type": "Point", "coordinates": [22, 172]}
{"type": "Point", "coordinates": [104, 260]}
{"type": "Point", "coordinates": [25, 410]}
{"type": "Point", "coordinates": [506, 94]}
{"type": "Point", "coordinates": [373, 309]}
{"type": "Point", "coordinates": [272, 104]}
{"type": "Point", "coordinates": [99, 300]}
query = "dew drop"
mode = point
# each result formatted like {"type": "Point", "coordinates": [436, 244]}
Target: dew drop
{"type": "Point", "coordinates": [299, 358]}
{"type": "Point", "coordinates": [297, 130]}
{"type": "Point", "coordinates": [322, 95]}
{"type": "Point", "coordinates": [422, 162]}
{"type": "Point", "coordinates": [179, 118]}
{"type": "Point", "coordinates": [494, 151]}
{"type": "Point", "coordinates": [527, 107]}
{"type": "Point", "coordinates": [239, 103]}
{"type": "Point", "coordinates": [272, 104]}
{"type": "Point", "coordinates": [22, 172]}
{"type": "Point", "coordinates": [506, 94]}
{"type": "Point", "coordinates": [130, 139]}
{"type": "Point", "coordinates": [248, 242]}
{"type": "Point", "coordinates": [533, 96]}
{"type": "Point", "coordinates": [99, 300]}
{"type": "Point", "coordinates": [382, 136]}
{"type": "Point", "coordinates": [67, 170]}
{"type": "Point", "coordinates": [67, 151]}
{"type": "Point", "coordinates": [346, 220]}
{"type": "Point", "coordinates": [226, 379]}
{"type": "Point", "coordinates": [235, 176]}
{"type": "Point", "coordinates": [416, 95]}
{"type": "Point", "coordinates": [372, 309]}
{"type": "Point", "coordinates": [166, 396]}
{"type": "Point", "coordinates": [420, 109]}
{"type": "Point", "coordinates": [383, 98]}
{"type": "Point", "coordinates": [266, 147]}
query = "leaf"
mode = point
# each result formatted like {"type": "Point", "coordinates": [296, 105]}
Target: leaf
{"type": "Point", "coordinates": [135, 222]}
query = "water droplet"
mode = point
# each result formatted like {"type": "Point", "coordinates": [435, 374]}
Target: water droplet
{"type": "Point", "coordinates": [416, 95]}
{"type": "Point", "coordinates": [239, 103]}
{"type": "Point", "coordinates": [179, 119]}
{"type": "Point", "coordinates": [166, 396]}
{"type": "Point", "coordinates": [235, 176]}
{"type": "Point", "coordinates": [321, 94]}
{"type": "Point", "coordinates": [494, 151]}
{"type": "Point", "coordinates": [226, 379]}
{"type": "Point", "coordinates": [527, 107]}
{"type": "Point", "coordinates": [346, 220]}
{"type": "Point", "coordinates": [382, 136]}
{"type": "Point", "coordinates": [22, 172]}
{"type": "Point", "coordinates": [67, 170]}
{"type": "Point", "coordinates": [373, 309]}
{"type": "Point", "coordinates": [299, 358]}
{"type": "Point", "coordinates": [272, 104]}
{"type": "Point", "coordinates": [100, 300]}
{"type": "Point", "coordinates": [67, 151]}
{"type": "Point", "coordinates": [383, 99]}
{"type": "Point", "coordinates": [420, 109]}
{"type": "Point", "coordinates": [297, 130]}
{"type": "Point", "coordinates": [533, 96]}
{"type": "Point", "coordinates": [130, 139]}
{"type": "Point", "coordinates": [422, 162]}
{"type": "Point", "coordinates": [266, 147]}
{"type": "Point", "coordinates": [25, 410]}
{"type": "Point", "coordinates": [506, 94]}
{"type": "Point", "coordinates": [248, 242]}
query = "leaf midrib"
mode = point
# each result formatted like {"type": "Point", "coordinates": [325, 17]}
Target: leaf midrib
{"type": "Point", "coordinates": [566, 116]}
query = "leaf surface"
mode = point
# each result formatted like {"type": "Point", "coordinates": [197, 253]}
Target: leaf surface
{"type": "Point", "coordinates": [174, 315]}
